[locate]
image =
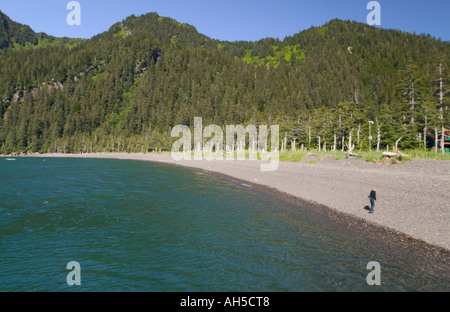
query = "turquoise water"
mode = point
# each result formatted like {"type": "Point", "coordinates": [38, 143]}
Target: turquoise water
{"type": "Point", "coordinates": [139, 226]}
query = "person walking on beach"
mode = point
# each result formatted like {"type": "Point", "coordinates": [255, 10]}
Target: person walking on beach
{"type": "Point", "coordinates": [372, 198]}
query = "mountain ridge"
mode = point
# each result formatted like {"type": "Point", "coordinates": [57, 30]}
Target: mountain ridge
{"type": "Point", "coordinates": [17, 35]}
{"type": "Point", "coordinates": [146, 74]}
{"type": "Point", "coordinates": [11, 32]}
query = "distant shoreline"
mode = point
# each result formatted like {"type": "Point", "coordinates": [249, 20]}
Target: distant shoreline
{"type": "Point", "coordinates": [411, 215]}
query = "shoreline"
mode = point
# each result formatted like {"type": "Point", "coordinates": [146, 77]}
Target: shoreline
{"type": "Point", "coordinates": [285, 178]}
{"type": "Point", "coordinates": [385, 229]}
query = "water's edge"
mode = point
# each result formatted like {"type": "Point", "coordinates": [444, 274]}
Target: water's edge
{"type": "Point", "coordinates": [430, 258]}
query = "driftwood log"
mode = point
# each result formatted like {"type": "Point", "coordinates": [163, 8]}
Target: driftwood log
{"type": "Point", "coordinates": [398, 154]}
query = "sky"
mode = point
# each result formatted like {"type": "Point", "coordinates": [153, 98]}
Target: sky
{"type": "Point", "coordinates": [231, 20]}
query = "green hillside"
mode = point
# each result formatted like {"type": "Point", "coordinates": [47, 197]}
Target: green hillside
{"type": "Point", "coordinates": [15, 35]}
{"type": "Point", "coordinates": [127, 87]}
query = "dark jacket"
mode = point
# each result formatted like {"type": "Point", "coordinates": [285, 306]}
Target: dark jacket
{"type": "Point", "coordinates": [373, 195]}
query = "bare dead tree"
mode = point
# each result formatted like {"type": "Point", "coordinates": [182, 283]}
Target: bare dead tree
{"type": "Point", "coordinates": [396, 144]}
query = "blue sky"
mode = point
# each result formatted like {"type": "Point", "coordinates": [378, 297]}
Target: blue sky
{"type": "Point", "coordinates": [232, 19]}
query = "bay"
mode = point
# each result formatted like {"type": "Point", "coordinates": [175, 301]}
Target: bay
{"type": "Point", "coordinates": [141, 226]}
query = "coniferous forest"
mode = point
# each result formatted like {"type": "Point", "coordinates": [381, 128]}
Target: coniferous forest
{"type": "Point", "coordinates": [125, 89]}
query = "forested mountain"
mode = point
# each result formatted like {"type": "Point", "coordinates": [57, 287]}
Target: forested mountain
{"type": "Point", "coordinates": [126, 88]}
{"type": "Point", "coordinates": [15, 35]}
{"type": "Point", "coordinates": [12, 32]}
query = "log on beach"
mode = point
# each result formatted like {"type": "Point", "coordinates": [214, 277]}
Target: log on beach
{"type": "Point", "coordinates": [389, 154]}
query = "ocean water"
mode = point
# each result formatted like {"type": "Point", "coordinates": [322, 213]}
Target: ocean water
{"type": "Point", "coordinates": [139, 226]}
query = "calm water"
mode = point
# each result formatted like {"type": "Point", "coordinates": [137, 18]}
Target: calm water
{"type": "Point", "coordinates": [138, 226]}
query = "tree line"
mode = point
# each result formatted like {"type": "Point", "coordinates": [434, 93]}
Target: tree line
{"type": "Point", "coordinates": [124, 90]}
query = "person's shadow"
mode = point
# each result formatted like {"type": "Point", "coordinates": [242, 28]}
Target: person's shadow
{"type": "Point", "coordinates": [367, 208]}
